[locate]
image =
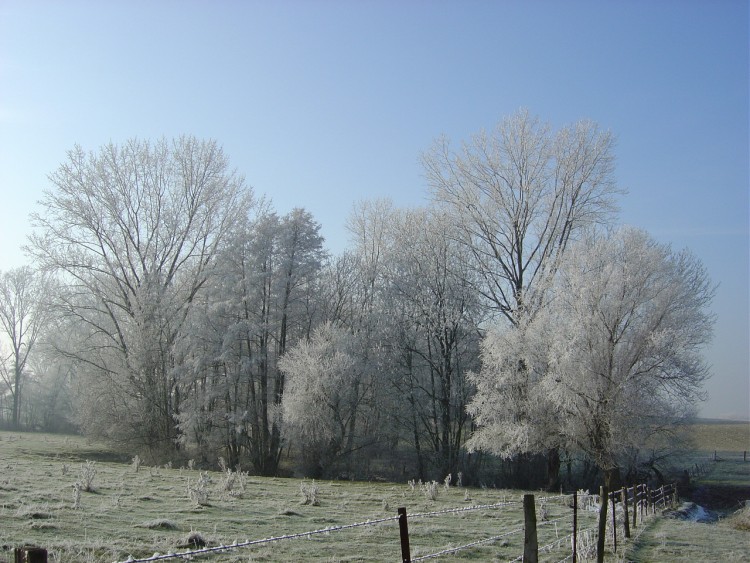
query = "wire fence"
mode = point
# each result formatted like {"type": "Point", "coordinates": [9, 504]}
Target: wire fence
{"type": "Point", "coordinates": [566, 527]}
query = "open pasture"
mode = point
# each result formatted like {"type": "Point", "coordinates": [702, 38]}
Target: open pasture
{"type": "Point", "coordinates": [724, 436]}
{"type": "Point", "coordinates": [138, 513]}
{"type": "Point", "coordinates": [146, 510]}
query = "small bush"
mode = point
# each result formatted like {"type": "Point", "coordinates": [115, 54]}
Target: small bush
{"type": "Point", "coordinates": [137, 462]}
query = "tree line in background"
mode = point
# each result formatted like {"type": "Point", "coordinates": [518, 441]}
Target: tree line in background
{"type": "Point", "coordinates": [504, 330]}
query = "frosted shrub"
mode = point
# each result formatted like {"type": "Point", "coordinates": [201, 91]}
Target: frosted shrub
{"type": "Point", "coordinates": [191, 464]}
{"type": "Point", "coordinates": [88, 472]}
{"type": "Point", "coordinates": [137, 462]}
{"type": "Point", "coordinates": [459, 480]}
{"type": "Point", "coordinates": [413, 484]}
{"type": "Point", "coordinates": [198, 491]}
{"type": "Point", "coordinates": [447, 481]}
{"type": "Point", "coordinates": [310, 493]}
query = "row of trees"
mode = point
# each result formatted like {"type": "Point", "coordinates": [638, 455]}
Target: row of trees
{"type": "Point", "coordinates": [508, 316]}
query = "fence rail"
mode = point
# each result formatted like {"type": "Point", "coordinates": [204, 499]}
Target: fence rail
{"type": "Point", "coordinates": [560, 518]}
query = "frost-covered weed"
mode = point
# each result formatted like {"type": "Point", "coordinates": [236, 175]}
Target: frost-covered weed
{"type": "Point", "coordinates": [88, 472]}
{"type": "Point", "coordinates": [234, 483]}
{"type": "Point", "coordinates": [447, 481]}
{"type": "Point", "coordinates": [198, 491]}
{"type": "Point", "coordinates": [430, 490]}
{"type": "Point", "coordinates": [310, 492]}
{"type": "Point", "coordinates": [136, 462]}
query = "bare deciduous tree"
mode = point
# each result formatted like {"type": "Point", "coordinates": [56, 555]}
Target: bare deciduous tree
{"type": "Point", "coordinates": [518, 195]}
{"type": "Point", "coordinates": [133, 231]}
{"type": "Point", "coordinates": [23, 312]}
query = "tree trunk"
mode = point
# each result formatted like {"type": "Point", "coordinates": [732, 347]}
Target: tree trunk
{"type": "Point", "coordinates": [553, 469]}
{"type": "Point", "coordinates": [612, 478]}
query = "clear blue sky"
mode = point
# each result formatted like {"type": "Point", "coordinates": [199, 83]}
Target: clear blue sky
{"type": "Point", "coordinates": [324, 103]}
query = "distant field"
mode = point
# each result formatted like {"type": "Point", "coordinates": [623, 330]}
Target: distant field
{"type": "Point", "coordinates": [722, 436]}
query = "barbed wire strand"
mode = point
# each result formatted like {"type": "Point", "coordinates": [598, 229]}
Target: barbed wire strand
{"type": "Point", "coordinates": [248, 543]}
{"type": "Point", "coordinates": [467, 546]}
{"type": "Point", "coordinates": [464, 509]}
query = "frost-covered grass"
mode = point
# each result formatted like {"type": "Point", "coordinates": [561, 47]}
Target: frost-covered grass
{"type": "Point", "coordinates": [722, 487]}
{"type": "Point", "coordinates": [139, 510]}
{"type": "Point", "coordinates": [675, 541]}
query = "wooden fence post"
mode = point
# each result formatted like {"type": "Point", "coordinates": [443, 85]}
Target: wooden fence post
{"type": "Point", "coordinates": [530, 545]}
{"type": "Point", "coordinates": [624, 498]}
{"type": "Point", "coordinates": [29, 554]}
{"type": "Point", "coordinates": [635, 506]}
{"type": "Point", "coordinates": [614, 522]}
{"type": "Point", "coordinates": [575, 525]}
{"type": "Point", "coordinates": [603, 502]}
{"type": "Point", "coordinates": [403, 527]}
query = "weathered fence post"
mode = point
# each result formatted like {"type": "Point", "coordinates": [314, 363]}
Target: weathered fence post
{"type": "Point", "coordinates": [29, 554]}
{"type": "Point", "coordinates": [635, 506]}
{"type": "Point", "coordinates": [530, 545]}
{"type": "Point", "coordinates": [575, 525]}
{"type": "Point", "coordinates": [614, 522]}
{"type": "Point", "coordinates": [403, 527]}
{"type": "Point", "coordinates": [744, 455]}
{"type": "Point", "coordinates": [624, 498]}
{"type": "Point", "coordinates": [603, 502]}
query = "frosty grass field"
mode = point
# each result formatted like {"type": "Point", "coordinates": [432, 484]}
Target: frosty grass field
{"type": "Point", "coordinates": [160, 509]}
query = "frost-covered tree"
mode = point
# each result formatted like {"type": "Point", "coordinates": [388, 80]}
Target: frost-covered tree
{"type": "Point", "coordinates": [330, 391]}
{"type": "Point", "coordinates": [133, 231]}
{"type": "Point", "coordinates": [617, 351]}
{"type": "Point", "coordinates": [433, 313]}
{"type": "Point", "coordinates": [258, 304]}
{"type": "Point", "coordinates": [24, 311]}
{"type": "Point", "coordinates": [631, 320]}
{"type": "Point", "coordinates": [518, 195]}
